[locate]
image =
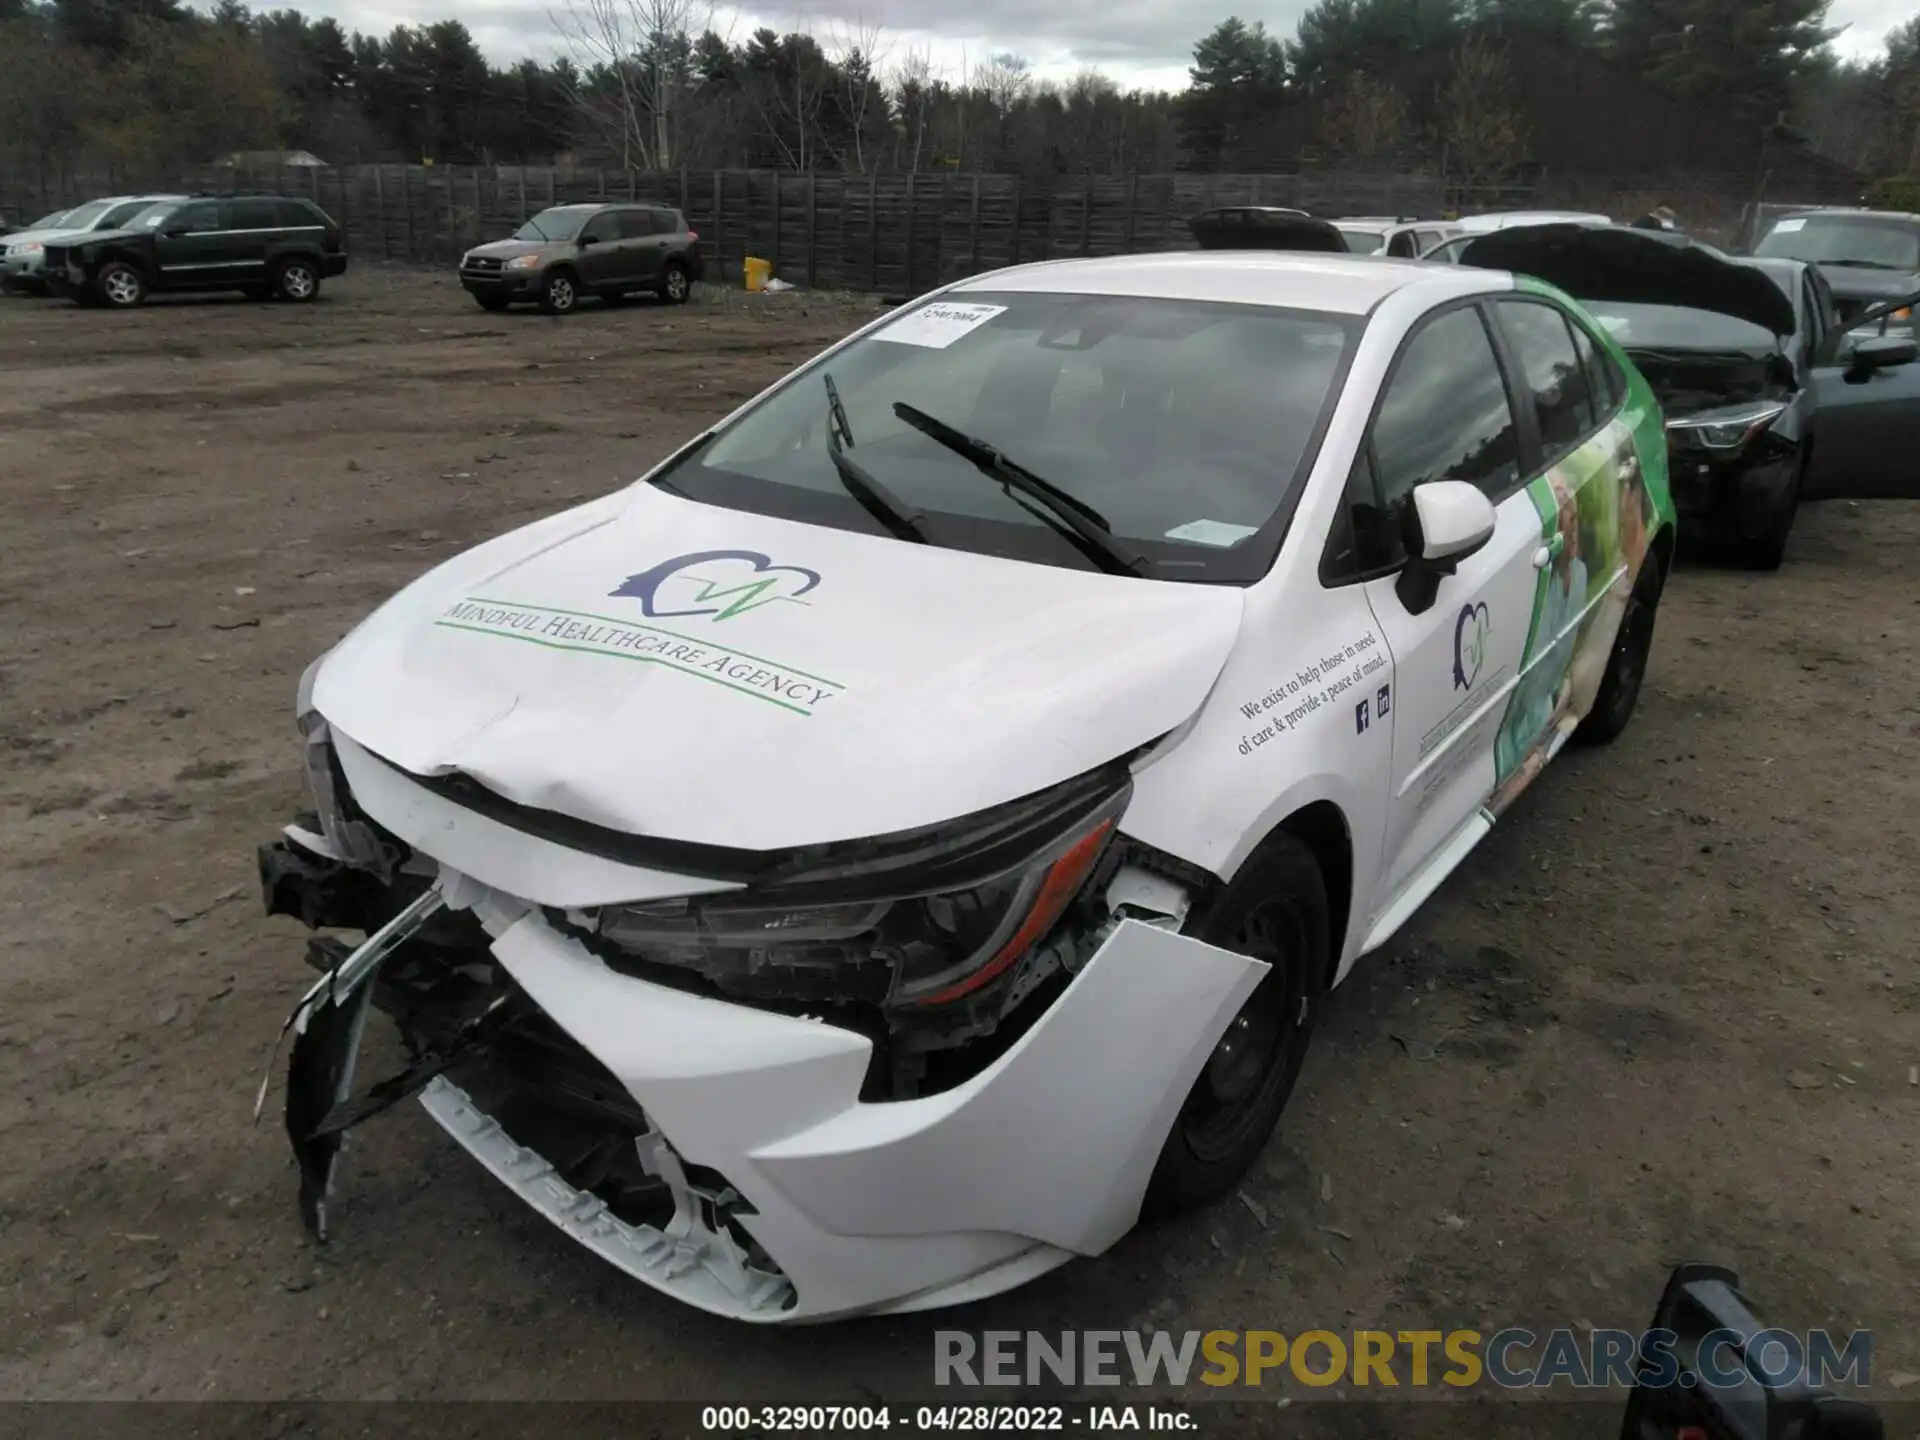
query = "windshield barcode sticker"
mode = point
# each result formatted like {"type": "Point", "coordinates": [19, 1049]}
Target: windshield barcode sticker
{"type": "Point", "coordinates": [935, 327]}
{"type": "Point", "coordinates": [1787, 227]}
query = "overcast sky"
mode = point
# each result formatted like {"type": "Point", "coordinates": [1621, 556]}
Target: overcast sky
{"type": "Point", "coordinates": [1138, 42]}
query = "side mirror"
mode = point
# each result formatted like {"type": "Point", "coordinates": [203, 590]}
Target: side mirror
{"type": "Point", "coordinates": [1881, 352]}
{"type": "Point", "coordinates": [1442, 523]}
{"type": "Point", "coordinates": [174, 232]}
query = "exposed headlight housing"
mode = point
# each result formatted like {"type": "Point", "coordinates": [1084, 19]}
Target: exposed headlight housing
{"type": "Point", "coordinates": [906, 937]}
{"type": "Point", "coordinates": [26, 247]}
{"type": "Point", "coordinates": [1731, 428]}
{"type": "Point", "coordinates": [524, 262]}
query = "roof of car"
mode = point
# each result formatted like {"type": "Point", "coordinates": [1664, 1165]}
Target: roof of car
{"type": "Point", "coordinates": [1341, 284]}
{"type": "Point", "coordinates": [1849, 212]}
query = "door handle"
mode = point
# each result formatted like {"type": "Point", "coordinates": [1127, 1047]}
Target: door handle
{"type": "Point", "coordinates": [1549, 552]}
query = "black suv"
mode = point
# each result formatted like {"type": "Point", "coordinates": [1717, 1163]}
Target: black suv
{"type": "Point", "coordinates": [574, 250]}
{"type": "Point", "coordinates": [260, 244]}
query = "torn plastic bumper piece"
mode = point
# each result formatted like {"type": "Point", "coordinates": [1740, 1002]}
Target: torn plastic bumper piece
{"type": "Point", "coordinates": [327, 1027]}
{"type": "Point", "coordinates": [700, 1263]}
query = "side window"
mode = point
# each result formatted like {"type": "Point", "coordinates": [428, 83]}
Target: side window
{"type": "Point", "coordinates": [635, 224]}
{"type": "Point", "coordinates": [1551, 373]}
{"type": "Point", "coordinates": [292, 215]}
{"type": "Point", "coordinates": [1446, 414]}
{"type": "Point", "coordinates": [195, 219]}
{"type": "Point", "coordinates": [1817, 317]}
{"type": "Point", "coordinates": [252, 215]}
{"type": "Point", "coordinates": [1402, 245]}
{"type": "Point", "coordinates": [602, 227]}
{"type": "Point", "coordinates": [1608, 385]}
{"type": "Point", "coordinates": [668, 222]}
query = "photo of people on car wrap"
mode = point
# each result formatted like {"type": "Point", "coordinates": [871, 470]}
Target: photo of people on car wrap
{"type": "Point", "coordinates": [1597, 548]}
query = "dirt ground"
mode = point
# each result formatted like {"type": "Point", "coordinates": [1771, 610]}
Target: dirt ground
{"type": "Point", "coordinates": [1671, 1009]}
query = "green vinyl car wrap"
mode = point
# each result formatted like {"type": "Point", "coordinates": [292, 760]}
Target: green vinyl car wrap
{"type": "Point", "coordinates": [1591, 530]}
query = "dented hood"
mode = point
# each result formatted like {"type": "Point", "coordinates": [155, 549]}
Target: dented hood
{"type": "Point", "coordinates": [686, 672]}
{"type": "Point", "coordinates": [1634, 267]}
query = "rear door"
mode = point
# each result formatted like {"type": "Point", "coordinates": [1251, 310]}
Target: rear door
{"type": "Point", "coordinates": [644, 245]}
{"type": "Point", "coordinates": [1866, 422]}
{"type": "Point", "coordinates": [1593, 515]}
{"type": "Point", "coordinates": [251, 229]}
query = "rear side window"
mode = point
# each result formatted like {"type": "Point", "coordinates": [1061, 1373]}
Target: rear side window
{"type": "Point", "coordinates": [1403, 245]}
{"type": "Point", "coordinates": [1609, 386]}
{"type": "Point", "coordinates": [253, 215]}
{"type": "Point", "coordinates": [636, 224]}
{"type": "Point", "coordinates": [668, 222]}
{"type": "Point", "coordinates": [1446, 414]}
{"type": "Point", "coordinates": [1551, 374]}
{"type": "Point", "coordinates": [194, 219]}
{"type": "Point", "coordinates": [295, 216]}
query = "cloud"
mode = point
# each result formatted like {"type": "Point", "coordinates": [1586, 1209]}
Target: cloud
{"type": "Point", "coordinates": [1147, 43]}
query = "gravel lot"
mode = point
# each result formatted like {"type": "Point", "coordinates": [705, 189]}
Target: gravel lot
{"type": "Point", "coordinates": [1671, 1009]}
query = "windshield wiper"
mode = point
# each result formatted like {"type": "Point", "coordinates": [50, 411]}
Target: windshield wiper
{"type": "Point", "coordinates": [1078, 520]}
{"type": "Point", "coordinates": [902, 519]}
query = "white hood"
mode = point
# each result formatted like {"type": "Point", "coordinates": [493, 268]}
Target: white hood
{"type": "Point", "coordinates": [687, 672]}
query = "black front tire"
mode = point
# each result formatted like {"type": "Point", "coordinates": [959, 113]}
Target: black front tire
{"type": "Point", "coordinates": [559, 293]}
{"type": "Point", "coordinates": [1276, 909]}
{"type": "Point", "coordinates": [120, 285]}
{"type": "Point", "coordinates": [1768, 551]}
{"type": "Point", "coordinates": [1627, 666]}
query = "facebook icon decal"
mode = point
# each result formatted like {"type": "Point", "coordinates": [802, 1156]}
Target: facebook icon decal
{"type": "Point", "coordinates": [1360, 717]}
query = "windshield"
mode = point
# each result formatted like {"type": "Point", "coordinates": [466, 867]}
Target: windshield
{"type": "Point", "coordinates": [560, 224]}
{"type": "Point", "coordinates": [1188, 426]}
{"type": "Point", "coordinates": [1852, 240]}
{"type": "Point", "coordinates": [83, 217]}
{"type": "Point", "coordinates": [49, 222]}
{"type": "Point", "coordinates": [1363, 242]}
{"type": "Point", "coordinates": [1678, 327]}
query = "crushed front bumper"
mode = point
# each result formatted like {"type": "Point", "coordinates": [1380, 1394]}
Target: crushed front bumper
{"type": "Point", "coordinates": [791, 1199]}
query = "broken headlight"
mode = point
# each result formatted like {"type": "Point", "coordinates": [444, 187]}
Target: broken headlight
{"type": "Point", "coordinates": [1730, 428]}
{"type": "Point", "coordinates": [912, 947]}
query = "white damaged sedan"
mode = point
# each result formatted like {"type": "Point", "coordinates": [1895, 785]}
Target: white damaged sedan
{"type": "Point", "coordinates": [861, 864]}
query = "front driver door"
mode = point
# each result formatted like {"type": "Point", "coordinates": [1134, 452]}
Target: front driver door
{"type": "Point", "coordinates": [190, 247]}
{"type": "Point", "coordinates": [1446, 414]}
{"type": "Point", "coordinates": [601, 263]}
{"type": "Point", "coordinates": [1866, 435]}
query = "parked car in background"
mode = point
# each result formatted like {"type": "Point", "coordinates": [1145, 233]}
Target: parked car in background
{"type": "Point", "coordinates": [262, 245]}
{"type": "Point", "coordinates": [1265, 227]}
{"type": "Point", "coordinates": [1767, 401]}
{"type": "Point", "coordinates": [1404, 237]}
{"type": "Point", "coordinates": [1447, 252]}
{"type": "Point", "coordinates": [23, 255]}
{"type": "Point", "coordinates": [1291, 573]}
{"type": "Point", "coordinates": [1867, 256]}
{"type": "Point", "coordinates": [571, 251]}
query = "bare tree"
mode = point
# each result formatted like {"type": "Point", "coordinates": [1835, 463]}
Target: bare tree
{"type": "Point", "coordinates": [633, 59]}
{"type": "Point", "coordinates": [856, 52]}
{"type": "Point", "coordinates": [913, 85]}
